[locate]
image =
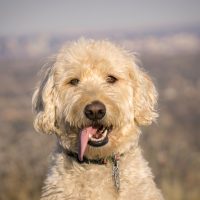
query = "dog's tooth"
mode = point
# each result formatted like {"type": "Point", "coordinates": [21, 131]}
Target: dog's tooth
{"type": "Point", "coordinates": [103, 130]}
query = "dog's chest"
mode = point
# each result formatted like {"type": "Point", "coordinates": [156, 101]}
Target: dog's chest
{"type": "Point", "coordinates": [68, 179]}
{"type": "Point", "coordinates": [90, 182]}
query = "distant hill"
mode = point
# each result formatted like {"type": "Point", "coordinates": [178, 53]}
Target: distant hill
{"type": "Point", "coordinates": [159, 41]}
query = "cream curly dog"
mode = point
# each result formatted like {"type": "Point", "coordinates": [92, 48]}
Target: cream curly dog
{"type": "Point", "coordinates": [94, 97]}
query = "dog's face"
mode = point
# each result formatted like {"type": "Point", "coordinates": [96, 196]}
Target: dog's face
{"type": "Point", "coordinates": [94, 97]}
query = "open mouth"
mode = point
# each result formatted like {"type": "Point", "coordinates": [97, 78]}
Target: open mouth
{"type": "Point", "coordinates": [96, 136]}
{"type": "Point", "coordinates": [99, 138]}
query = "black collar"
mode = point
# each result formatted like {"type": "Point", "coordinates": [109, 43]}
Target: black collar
{"type": "Point", "coordinates": [86, 160]}
{"type": "Point", "coordinates": [100, 161]}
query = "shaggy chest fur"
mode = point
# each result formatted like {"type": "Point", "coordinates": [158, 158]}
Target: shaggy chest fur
{"type": "Point", "coordinates": [68, 179]}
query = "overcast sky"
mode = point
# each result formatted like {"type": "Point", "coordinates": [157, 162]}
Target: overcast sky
{"type": "Point", "coordinates": [60, 16]}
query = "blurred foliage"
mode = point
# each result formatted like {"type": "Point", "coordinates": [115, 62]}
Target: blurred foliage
{"type": "Point", "coordinates": [171, 146]}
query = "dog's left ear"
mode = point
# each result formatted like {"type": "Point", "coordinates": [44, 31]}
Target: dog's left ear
{"type": "Point", "coordinates": [145, 97]}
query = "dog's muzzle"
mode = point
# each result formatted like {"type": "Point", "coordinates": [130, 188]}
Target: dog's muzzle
{"type": "Point", "coordinates": [95, 133]}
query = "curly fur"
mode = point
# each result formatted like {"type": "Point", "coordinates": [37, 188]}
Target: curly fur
{"type": "Point", "coordinates": [129, 102]}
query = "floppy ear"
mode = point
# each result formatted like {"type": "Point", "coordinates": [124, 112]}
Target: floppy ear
{"type": "Point", "coordinates": [145, 98]}
{"type": "Point", "coordinates": [43, 103]}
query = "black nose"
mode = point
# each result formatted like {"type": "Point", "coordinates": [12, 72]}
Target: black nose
{"type": "Point", "coordinates": [95, 110]}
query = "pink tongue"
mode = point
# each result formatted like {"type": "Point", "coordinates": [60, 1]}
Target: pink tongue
{"type": "Point", "coordinates": [83, 140]}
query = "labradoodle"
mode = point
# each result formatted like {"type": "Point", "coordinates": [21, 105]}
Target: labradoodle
{"type": "Point", "coordinates": [94, 98]}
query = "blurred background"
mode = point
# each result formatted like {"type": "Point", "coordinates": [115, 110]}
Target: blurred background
{"type": "Point", "coordinates": [166, 37]}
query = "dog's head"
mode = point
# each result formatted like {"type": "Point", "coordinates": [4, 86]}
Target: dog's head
{"type": "Point", "coordinates": [94, 97]}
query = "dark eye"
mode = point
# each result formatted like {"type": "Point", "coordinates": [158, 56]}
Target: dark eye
{"type": "Point", "coordinates": [111, 79]}
{"type": "Point", "coordinates": [74, 82]}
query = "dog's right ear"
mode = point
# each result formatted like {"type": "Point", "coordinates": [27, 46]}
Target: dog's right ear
{"type": "Point", "coordinates": [43, 103]}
